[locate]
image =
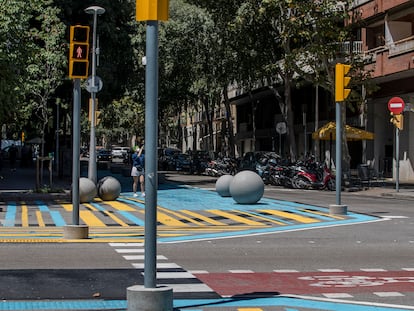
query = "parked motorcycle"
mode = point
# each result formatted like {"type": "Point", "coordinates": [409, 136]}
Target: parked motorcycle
{"type": "Point", "coordinates": [318, 178]}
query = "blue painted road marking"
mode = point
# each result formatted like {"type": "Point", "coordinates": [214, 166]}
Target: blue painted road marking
{"type": "Point", "coordinates": [10, 217]}
{"type": "Point", "coordinates": [55, 215]}
{"type": "Point", "coordinates": [289, 304]}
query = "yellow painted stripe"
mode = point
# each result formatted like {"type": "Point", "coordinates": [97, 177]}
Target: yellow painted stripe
{"type": "Point", "coordinates": [25, 216]}
{"type": "Point", "coordinates": [39, 218]}
{"type": "Point", "coordinates": [181, 216]}
{"type": "Point", "coordinates": [121, 206]}
{"type": "Point", "coordinates": [90, 219]}
{"type": "Point", "coordinates": [204, 218]}
{"type": "Point", "coordinates": [262, 218]}
{"type": "Point", "coordinates": [236, 218]}
{"type": "Point", "coordinates": [169, 221]}
{"type": "Point", "coordinates": [67, 207]}
{"type": "Point", "coordinates": [323, 214]}
{"type": "Point", "coordinates": [249, 309]}
{"type": "Point", "coordinates": [116, 219]}
{"type": "Point", "coordinates": [299, 218]}
{"type": "Point", "coordinates": [90, 207]}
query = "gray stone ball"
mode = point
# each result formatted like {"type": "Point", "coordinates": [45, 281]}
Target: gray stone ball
{"type": "Point", "coordinates": [87, 190]}
{"type": "Point", "coordinates": [109, 188]}
{"type": "Point", "coordinates": [223, 185]}
{"type": "Point", "coordinates": [247, 187]}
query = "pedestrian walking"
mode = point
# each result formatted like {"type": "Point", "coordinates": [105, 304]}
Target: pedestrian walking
{"type": "Point", "coordinates": [138, 171]}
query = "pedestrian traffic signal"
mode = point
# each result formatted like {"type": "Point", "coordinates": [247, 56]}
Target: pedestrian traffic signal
{"type": "Point", "coordinates": [397, 120]}
{"type": "Point", "coordinates": [79, 52]}
{"type": "Point", "coordinates": [341, 82]}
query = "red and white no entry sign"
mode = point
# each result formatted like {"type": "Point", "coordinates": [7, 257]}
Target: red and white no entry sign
{"type": "Point", "coordinates": [396, 105]}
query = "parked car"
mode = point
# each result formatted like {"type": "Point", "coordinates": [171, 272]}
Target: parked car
{"type": "Point", "coordinates": [166, 158]}
{"type": "Point", "coordinates": [183, 162]}
{"type": "Point", "coordinates": [120, 153]}
{"type": "Point", "coordinates": [103, 155]}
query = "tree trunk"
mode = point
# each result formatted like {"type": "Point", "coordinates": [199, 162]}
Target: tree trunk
{"type": "Point", "coordinates": [229, 132]}
{"type": "Point", "coordinates": [289, 118]}
{"type": "Point", "coordinates": [253, 120]}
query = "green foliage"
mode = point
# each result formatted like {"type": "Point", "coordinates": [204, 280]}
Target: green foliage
{"type": "Point", "coordinates": [14, 20]}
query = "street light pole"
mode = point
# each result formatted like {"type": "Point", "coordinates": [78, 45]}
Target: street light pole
{"type": "Point", "coordinates": [95, 10]}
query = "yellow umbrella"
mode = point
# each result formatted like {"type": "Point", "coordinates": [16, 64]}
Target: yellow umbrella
{"type": "Point", "coordinates": [328, 132]}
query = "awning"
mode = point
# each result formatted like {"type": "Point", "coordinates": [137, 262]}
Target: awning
{"type": "Point", "coordinates": [328, 132]}
{"type": "Point", "coordinates": [35, 141]}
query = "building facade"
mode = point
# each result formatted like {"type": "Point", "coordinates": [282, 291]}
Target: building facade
{"type": "Point", "coordinates": [388, 45]}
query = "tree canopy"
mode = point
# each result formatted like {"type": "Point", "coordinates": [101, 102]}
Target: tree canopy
{"type": "Point", "coordinates": [205, 46]}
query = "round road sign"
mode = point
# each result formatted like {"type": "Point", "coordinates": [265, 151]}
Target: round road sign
{"type": "Point", "coordinates": [396, 105]}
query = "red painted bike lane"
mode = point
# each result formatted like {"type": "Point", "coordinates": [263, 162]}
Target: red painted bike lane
{"type": "Point", "coordinates": [302, 283]}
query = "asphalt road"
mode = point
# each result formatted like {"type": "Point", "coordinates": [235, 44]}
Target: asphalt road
{"type": "Point", "coordinates": [88, 270]}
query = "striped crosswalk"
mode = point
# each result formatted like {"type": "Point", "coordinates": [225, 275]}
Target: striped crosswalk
{"type": "Point", "coordinates": [183, 283]}
{"type": "Point", "coordinates": [182, 214]}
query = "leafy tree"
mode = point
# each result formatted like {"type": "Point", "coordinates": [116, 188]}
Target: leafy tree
{"type": "Point", "coordinates": [46, 61]}
{"type": "Point", "coordinates": [14, 20]}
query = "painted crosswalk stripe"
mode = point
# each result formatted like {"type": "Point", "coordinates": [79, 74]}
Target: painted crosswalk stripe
{"type": "Point", "coordinates": [258, 216]}
{"type": "Point", "coordinates": [25, 215]}
{"type": "Point", "coordinates": [39, 218]}
{"type": "Point", "coordinates": [129, 250]}
{"type": "Point", "coordinates": [132, 218]}
{"type": "Point", "coordinates": [293, 216]}
{"type": "Point", "coordinates": [55, 215]}
{"type": "Point", "coordinates": [388, 294]}
{"type": "Point", "coordinates": [160, 265]}
{"type": "Point", "coordinates": [166, 219]}
{"type": "Point", "coordinates": [111, 215]}
{"type": "Point", "coordinates": [203, 218]}
{"type": "Point", "coordinates": [175, 275]}
{"type": "Point", "coordinates": [180, 216]}
{"type": "Point", "coordinates": [234, 217]}
{"type": "Point", "coordinates": [141, 257]}
{"type": "Point", "coordinates": [10, 218]}
{"type": "Point", "coordinates": [169, 274]}
{"type": "Point", "coordinates": [90, 219]}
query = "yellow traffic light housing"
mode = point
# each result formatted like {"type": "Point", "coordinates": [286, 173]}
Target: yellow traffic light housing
{"type": "Point", "coordinates": [151, 10]}
{"type": "Point", "coordinates": [397, 120]}
{"type": "Point", "coordinates": [341, 82]}
{"type": "Point", "coordinates": [79, 52]}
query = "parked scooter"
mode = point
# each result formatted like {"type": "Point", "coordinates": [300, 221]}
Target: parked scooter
{"type": "Point", "coordinates": [319, 178]}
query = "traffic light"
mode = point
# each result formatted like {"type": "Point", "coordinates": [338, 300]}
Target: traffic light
{"type": "Point", "coordinates": [79, 52]}
{"type": "Point", "coordinates": [341, 82]}
{"type": "Point", "coordinates": [397, 120]}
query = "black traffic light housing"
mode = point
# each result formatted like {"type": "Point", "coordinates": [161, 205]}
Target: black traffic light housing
{"type": "Point", "coordinates": [79, 52]}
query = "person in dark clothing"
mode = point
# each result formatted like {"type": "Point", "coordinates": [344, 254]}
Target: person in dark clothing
{"type": "Point", "coordinates": [13, 157]}
{"type": "Point", "coordinates": [138, 172]}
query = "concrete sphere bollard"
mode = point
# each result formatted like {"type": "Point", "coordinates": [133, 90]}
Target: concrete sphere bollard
{"type": "Point", "coordinates": [247, 187]}
{"type": "Point", "coordinates": [87, 190]}
{"type": "Point", "coordinates": [223, 185]}
{"type": "Point", "coordinates": [109, 188]}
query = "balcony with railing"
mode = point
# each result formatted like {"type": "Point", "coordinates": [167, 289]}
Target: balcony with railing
{"type": "Point", "coordinates": [401, 46]}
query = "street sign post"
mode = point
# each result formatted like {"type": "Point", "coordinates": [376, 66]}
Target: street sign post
{"type": "Point", "coordinates": [396, 105]}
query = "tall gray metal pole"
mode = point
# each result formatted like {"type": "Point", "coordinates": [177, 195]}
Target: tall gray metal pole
{"type": "Point", "coordinates": [151, 138]}
{"type": "Point", "coordinates": [92, 174]}
{"type": "Point", "coordinates": [338, 180]}
{"type": "Point", "coordinates": [76, 152]}
{"type": "Point", "coordinates": [397, 159]}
